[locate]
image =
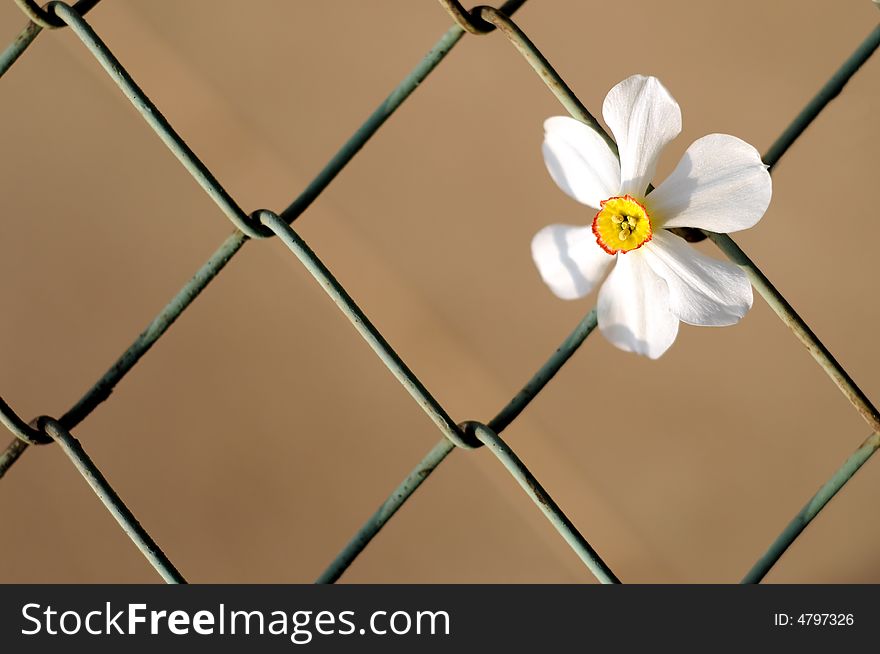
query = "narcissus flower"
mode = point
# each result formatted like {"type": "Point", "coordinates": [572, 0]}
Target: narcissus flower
{"type": "Point", "coordinates": [657, 280]}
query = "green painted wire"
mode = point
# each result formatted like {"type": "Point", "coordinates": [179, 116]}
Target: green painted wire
{"type": "Point", "coordinates": [439, 452]}
{"type": "Point", "coordinates": [546, 372]}
{"type": "Point", "coordinates": [10, 455]}
{"type": "Point", "coordinates": [820, 104]}
{"type": "Point", "coordinates": [104, 387]}
{"type": "Point", "coordinates": [571, 102]}
{"type": "Point", "coordinates": [545, 71]}
{"type": "Point", "coordinates": [830, 90]}
{"type": "Point", "coordinates": [812, 508]}
{"type": "Point", "coordinates": [47, 16]}
{"type": "Point", "coordinates": [113, 502]}
{"type": "Point", "coordinates": [372, 124]}
{"type": "Point", "coordinates": [725, 243]}
{"type": "Point", "coordinates": [728, 246]}
{"type": "Point", "coordinates": [23, 431]}
{"type": "Point", "coordinates": [36, 15]}
{"type": "Point", "coordinates": [49, 431]}
{"type": "Point", "coordinates": [380, 115]}
{"type": "Point", "coordinates": [777, 302]}
{"type": "Point", "coordinates": [365, 328]}
{"type": "Point", "coordinates": [15, 49]}
{"type": "Point", "coordinates": [543, 501]}
{"type": "Point", "coordinates": [154, 118]}
{"type": "Point", "coordinates": [385, 512]}
{"type": "Point", "coordinates": [436, 412]}
{"type": "Point", "coordinates": [780, 306]}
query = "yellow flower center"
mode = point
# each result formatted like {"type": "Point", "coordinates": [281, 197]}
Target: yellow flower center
{"type": "Point", "coordinates": [622, 225]}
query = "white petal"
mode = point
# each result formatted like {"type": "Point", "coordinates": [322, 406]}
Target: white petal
{"type": "Point", "coordinates": [580, 161]}
{"type": "Point", "coordinates": [720, 184]}
{"type": "Point", "coordinates": [702, 290]}
{"type": "Point", "coordinates": [569, 259]}
{"type": "Point", "coordinates": [644, 117]}
{"type": "Point", "coordinates": [634, 308]}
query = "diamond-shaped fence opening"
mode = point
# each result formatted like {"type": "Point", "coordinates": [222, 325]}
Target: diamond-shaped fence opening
{"type": "Point", "coordinates": [467, 432]}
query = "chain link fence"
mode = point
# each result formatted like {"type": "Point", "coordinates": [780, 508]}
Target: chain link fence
{"type": "Point", "coordinates": [483, 21]}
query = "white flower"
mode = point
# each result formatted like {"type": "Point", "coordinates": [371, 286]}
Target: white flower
{"type": "Point", "coordinates": [719, 185]}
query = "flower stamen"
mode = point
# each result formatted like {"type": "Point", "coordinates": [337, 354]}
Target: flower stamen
{"type": "Point", "coordinates": [622, 225]}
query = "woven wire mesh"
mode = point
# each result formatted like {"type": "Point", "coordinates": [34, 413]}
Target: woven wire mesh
{"type": "Point", "coordinates": [466, 435]}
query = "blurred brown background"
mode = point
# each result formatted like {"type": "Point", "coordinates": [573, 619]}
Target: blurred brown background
{"type": "Point", "coordinates": [261, 431]}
